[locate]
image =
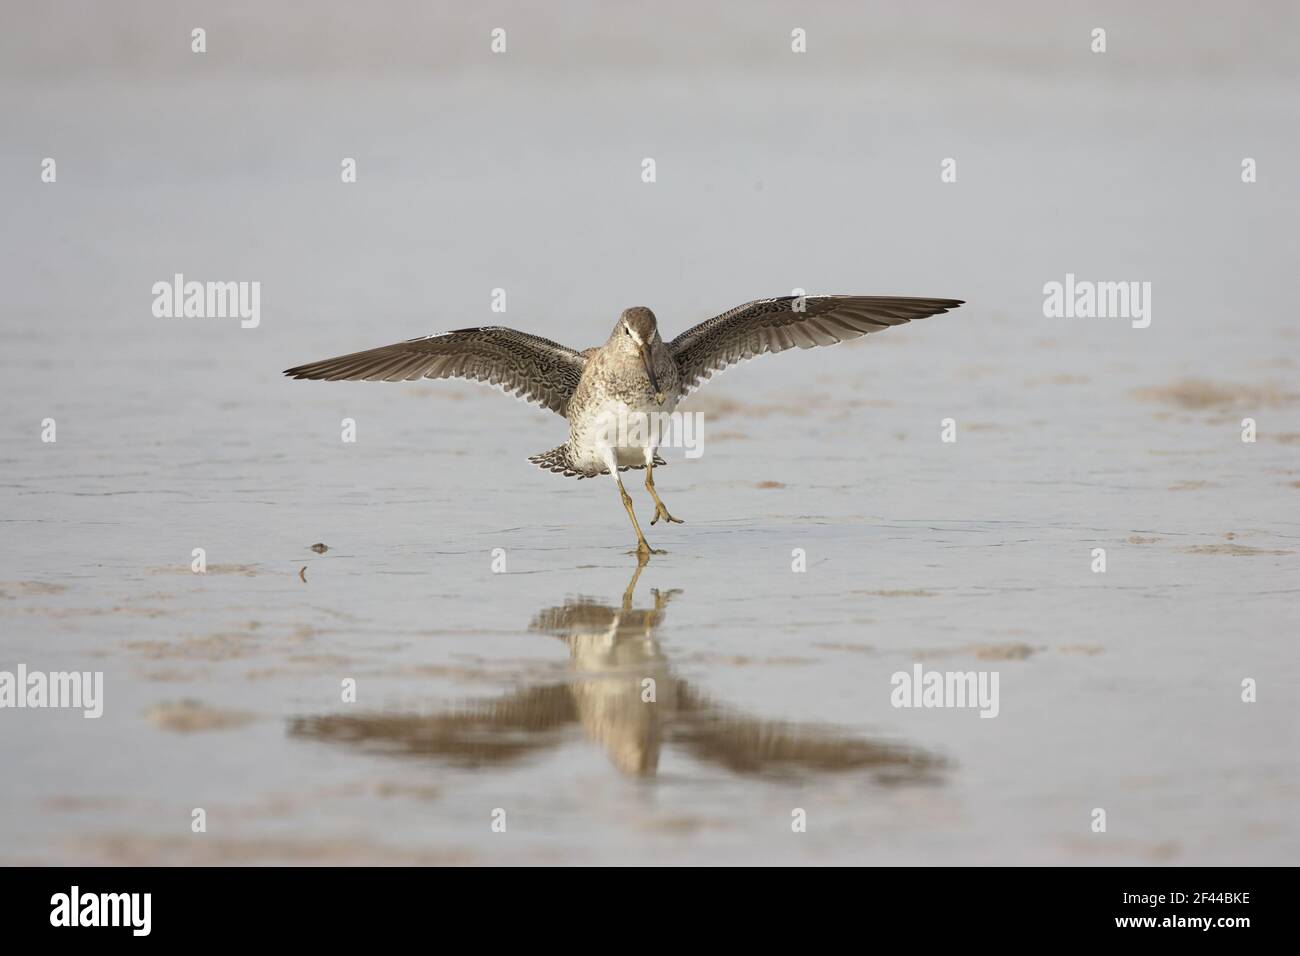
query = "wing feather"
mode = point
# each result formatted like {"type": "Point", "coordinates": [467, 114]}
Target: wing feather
{"type": "Point", "coordinates": [528, 366]}
{"type": "Point", "coordinates": [775, 325]}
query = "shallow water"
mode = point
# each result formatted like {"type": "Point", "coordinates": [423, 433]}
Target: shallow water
{"type": "Point", "coordinates": [522, 691]}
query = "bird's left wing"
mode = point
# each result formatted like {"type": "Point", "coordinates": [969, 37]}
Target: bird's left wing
{"type": "Point", "coordinates": [774, 325]}
{"type": "Point", "coordinates": [528, 366]}
{"type": "Point", "coordinates": [747, 745]}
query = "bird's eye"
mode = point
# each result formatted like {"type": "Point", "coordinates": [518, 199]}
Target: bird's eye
{"type": "Point", "coordinates": [626, 330]}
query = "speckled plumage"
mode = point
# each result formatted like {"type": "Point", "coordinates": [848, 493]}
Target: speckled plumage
{"type": "Point", "coordinates": [633, 373]}
{"type": "Point", "coordinates": [616, 383]}
{"type": "Point", "coordinates": [528, 366]}
{"type": "Point", "coordinates": [578, 384]}
{"type": "Point", "coordinates": [774, 325]}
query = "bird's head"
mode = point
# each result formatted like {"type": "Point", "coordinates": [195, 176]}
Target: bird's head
{"type": "Point", "coordinates": [638, 324]}
{"type": "Point", "coordinates": [637, 332]}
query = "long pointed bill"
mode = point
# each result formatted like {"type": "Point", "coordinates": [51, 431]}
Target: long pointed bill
{"type": "Point", "coordinates": [650, 370]}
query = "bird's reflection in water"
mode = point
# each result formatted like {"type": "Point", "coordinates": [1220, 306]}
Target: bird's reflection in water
{"type": "Point", "coordinates": [624, 695]}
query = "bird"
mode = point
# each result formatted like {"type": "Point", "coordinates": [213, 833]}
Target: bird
{"type": "Point", "coordinates": [616, 396]}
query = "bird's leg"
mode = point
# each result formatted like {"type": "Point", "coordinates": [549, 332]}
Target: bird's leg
{"type": "Point", "coordinates": [660, 510]}
{"type": "Point", "coordinates": [642, 546]}
{"type": "Point", "coordinates": [641, 559]}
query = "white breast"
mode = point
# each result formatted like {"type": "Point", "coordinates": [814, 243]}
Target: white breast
{"type": "Point", "coordinates": [626, 431]}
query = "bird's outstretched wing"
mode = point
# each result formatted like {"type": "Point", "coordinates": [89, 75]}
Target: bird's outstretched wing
{"type": "Point", "coordinates": [475, 734]}
{"type": "Point", "coordinates": [747, 745]}
{"type": "Point", "coordinates": [528, 366]}
{"type": "Point", "coordinates": [774, 325]}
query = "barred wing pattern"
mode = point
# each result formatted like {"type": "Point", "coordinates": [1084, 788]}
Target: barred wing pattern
{"type": "Point", "coordinates": [528, 366]}
{"type": "Point", "coordinates": [774, 325]}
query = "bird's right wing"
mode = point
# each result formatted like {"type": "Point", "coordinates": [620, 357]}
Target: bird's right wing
{"type": "Point", "coordinates": [477, 733]}
{"type": "Point", "coordinates": [528, 366]}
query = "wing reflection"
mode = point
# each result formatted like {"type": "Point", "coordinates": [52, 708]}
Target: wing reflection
{"type": "Point", "coordinates": [623, 694]}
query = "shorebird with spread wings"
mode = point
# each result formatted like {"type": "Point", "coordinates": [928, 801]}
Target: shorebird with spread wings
{"type": "Point", "coordinates": [616, 396]}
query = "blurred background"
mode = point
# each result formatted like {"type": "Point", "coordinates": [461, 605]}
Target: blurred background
{"type": "Point", "coordinates": [520, 691]}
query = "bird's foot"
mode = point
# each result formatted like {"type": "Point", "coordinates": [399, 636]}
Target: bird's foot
{"type": "Point", "coordinates": [662, 512]}
{"type": "Point", "coordinates": [643, 549]}
{"type": "Point", "coordinates": [663, 597]}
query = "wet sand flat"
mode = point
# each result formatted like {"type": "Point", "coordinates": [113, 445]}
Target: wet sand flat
{"type": "Point", "coordinates": [522, 691]}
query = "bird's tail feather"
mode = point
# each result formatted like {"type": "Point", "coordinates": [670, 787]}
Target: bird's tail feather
{"type": "Point", "coordinates": [560, 461]}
